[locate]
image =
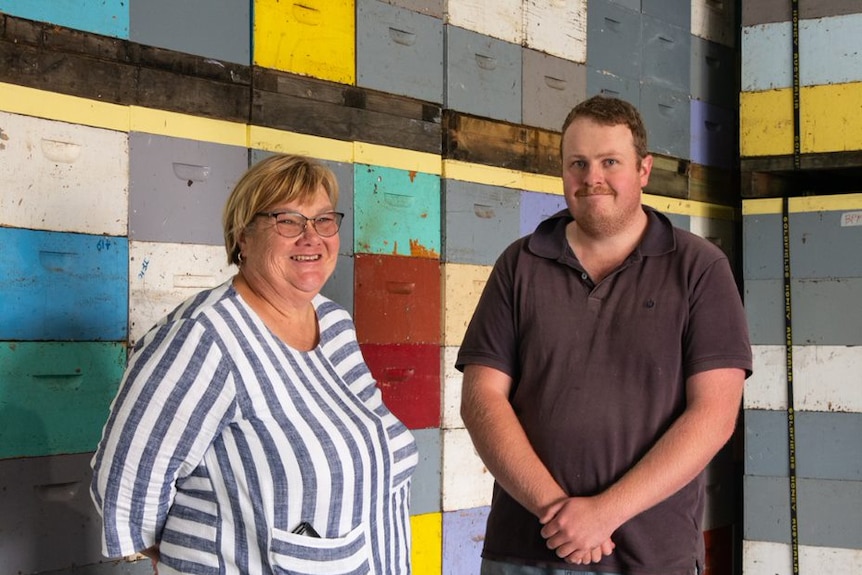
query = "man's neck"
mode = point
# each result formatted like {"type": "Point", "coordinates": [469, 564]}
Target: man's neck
{"type": "Point", "coordinates": [600, 254]}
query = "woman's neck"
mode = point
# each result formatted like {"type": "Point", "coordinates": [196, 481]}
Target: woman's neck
{"type": "Point", "coordinates": [293, 320]}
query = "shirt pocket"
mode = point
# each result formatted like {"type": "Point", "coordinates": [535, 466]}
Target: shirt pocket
{"type": "Point", "coordinates": [293, 554]}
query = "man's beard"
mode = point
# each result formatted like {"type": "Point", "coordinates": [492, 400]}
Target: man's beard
{"type": "Point", "coordinates": [604, 222]}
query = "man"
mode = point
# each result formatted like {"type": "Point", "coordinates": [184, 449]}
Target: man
{"type": "Point", "coordinates": [603, 369]}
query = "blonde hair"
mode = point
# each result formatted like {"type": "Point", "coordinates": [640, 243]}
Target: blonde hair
{"type": "Point", "coordinates": [275, 180]}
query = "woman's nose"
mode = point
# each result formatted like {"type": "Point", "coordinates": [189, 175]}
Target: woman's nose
{"type": "Point", "coordinates": [309, 232]}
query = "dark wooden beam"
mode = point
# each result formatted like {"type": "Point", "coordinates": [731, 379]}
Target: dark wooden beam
{"type": "Point", "coordinates": [306, 105]}
{"type": "Point", "coordinates": [54, 58]}
{"type": "Point", "coordinates": [669, 177]}
{"type": "Point", "coordinates": [823, 161]}
{"type": "Point", "coordinates": [713, 185]}
{"type": "Point", "coordinates": [500, 144]}
{"type": "Point", "coordinates": [826, 173]}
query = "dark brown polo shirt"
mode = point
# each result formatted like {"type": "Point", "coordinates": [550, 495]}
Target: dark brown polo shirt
{"type": "Point", "coordinates": [599, 374]}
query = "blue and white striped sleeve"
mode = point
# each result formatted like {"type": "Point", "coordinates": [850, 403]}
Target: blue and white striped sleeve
{"type": "Point", "coordinates": [177, 394]}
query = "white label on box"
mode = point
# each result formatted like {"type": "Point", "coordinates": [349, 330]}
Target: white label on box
{"type": "Point", "coordinates": [851, 219]}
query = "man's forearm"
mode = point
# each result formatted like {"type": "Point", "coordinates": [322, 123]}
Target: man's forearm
{"type": "Point", "coordinates": [674, 461]}
{"type": "Point", "coordinates": [504, 447]}
{"type": "Point", "coordinates": [683, 451]}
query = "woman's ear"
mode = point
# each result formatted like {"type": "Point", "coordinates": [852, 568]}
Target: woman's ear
{"type": "Point", "coordinates": [241, 242]}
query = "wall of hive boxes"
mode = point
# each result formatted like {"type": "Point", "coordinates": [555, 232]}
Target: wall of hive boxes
{"type": "Point", "coordinates": [823, 238]}
{"type": "Point", "coordinates": [124, 125]}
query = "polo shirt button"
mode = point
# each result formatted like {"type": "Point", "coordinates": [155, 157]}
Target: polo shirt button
{"type": "Point", "coordinates": [584, 276]}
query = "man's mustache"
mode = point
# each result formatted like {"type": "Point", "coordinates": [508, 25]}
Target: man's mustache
{"type": "Point", "coordinates": [593, 191]}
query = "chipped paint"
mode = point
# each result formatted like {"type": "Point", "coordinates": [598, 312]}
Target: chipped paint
{"type": "Point", "coordinates": [417, 250]}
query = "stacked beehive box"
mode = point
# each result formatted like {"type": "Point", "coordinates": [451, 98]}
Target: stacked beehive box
{"type": "Point", "coordinates": [819, 233]}
{"type": "Point", "coordinates": [123, 127]}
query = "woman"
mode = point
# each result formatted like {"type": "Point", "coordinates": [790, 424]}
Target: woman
{"type": "Point", "coordinates": [248, 435]}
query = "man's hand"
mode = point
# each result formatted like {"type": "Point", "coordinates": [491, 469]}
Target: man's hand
{"type": "Point", "coordinates": [574, 528]}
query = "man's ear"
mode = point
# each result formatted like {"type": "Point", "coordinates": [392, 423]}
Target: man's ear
{"type": "Point", "coordinates": [645, 169]}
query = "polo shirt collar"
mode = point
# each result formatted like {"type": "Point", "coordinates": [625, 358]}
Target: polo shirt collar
{"type": "Point", "coordinates": [549, 239]}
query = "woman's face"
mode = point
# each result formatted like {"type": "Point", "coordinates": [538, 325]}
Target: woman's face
{"type": "Point", "coordinates": [297, 266]}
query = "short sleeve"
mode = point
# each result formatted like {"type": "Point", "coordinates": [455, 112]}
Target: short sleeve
{"type": "Point", "coordinates": [491, 338]}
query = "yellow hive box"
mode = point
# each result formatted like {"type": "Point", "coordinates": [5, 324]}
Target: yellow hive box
{"type": "Point", "coordinates": [427, 553]}
{"type": "Point", "coordinates": [462, 285]}
{"type": "Point", "coordinates": [829, 120]}
{"type": "Point", "coordinates": [313, 38]}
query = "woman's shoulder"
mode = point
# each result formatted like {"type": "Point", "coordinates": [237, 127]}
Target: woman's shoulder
{"type": "Point", "coordinates": [333, 317]}
{"type": "Point", "coordinates": [202, 303]}
{"type": "Point", "coordinates": [194, 309]}
{"type": "Point", "coordinates": [337, 331]}
{"type": "Point", "coordinates": [329, 309]}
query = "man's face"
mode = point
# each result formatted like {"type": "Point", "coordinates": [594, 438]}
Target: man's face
{"type": "Point", "coordinates": [602, 176]}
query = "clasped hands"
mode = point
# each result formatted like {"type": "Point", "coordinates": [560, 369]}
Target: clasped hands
{"type": "Point", "coordinates": [576, 530]}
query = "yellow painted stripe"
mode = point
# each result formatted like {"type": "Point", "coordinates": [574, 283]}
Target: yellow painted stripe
{"type": "Point", "coordinates": [398, 158]}
{"type": "Point", "coordinates": [481, 174]}
{"type": "Point", "coordinates": [318, 147]}
{"type": "Point", "coordinates": [427, 553]}
{"type": "Point", "coordinates": [71, 109]}
{"type": "Point", "coordinates": [503, 177]}
{"type": "Point", "coordinates": [832, 203]}
{"type": "Point", "coordinates": [761, 206]}
{"type": "Point", "coordinates": [152, 121]}
{"type": "Point", "coordinates": [690, 207]}
{"type": "Point", "coordinates": [543, 183]}
{"type": "Point", "coordinates": [88, 112]}
{"type": "Point", "coordinates": [827, 203]}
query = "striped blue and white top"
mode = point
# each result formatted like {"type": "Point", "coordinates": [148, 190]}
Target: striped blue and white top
{"type": "Point", "coordinates": [222, 439]}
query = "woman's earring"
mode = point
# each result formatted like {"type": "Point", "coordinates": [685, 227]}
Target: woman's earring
{"type": "Point", "coordinates": [239, 258]}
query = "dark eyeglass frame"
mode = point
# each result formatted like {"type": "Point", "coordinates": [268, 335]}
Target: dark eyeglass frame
{"type": "Point", "coordinates": [338, 217]}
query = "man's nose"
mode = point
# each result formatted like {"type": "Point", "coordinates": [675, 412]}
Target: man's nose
{"type": "Point", "coordinates": [593, 175]}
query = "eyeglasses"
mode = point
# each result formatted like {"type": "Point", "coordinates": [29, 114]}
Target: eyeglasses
{"type": "Point", "coordinates": [292, 224]}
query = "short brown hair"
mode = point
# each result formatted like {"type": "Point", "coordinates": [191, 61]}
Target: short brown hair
{"type": "Point", "coordinates": [275, 180]}
{"type": "Point", "coordinates": [611, 112]}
